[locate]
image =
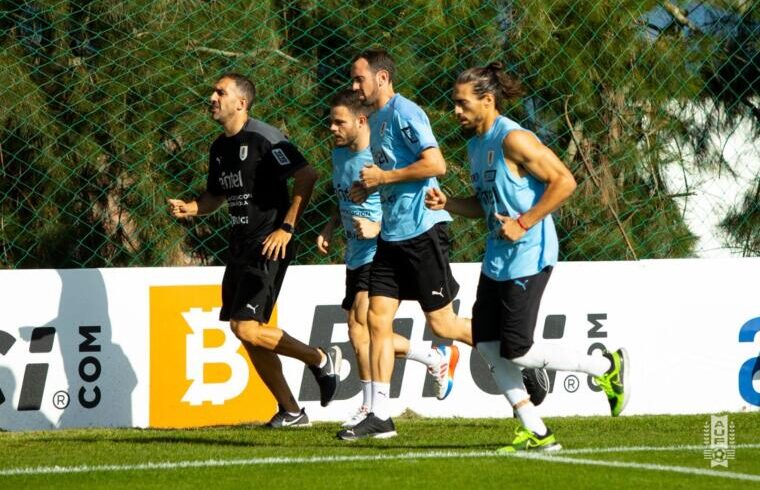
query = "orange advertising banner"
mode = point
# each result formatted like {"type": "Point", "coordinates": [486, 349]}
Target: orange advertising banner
{"type": "Point", "coordinates": [200, 374]}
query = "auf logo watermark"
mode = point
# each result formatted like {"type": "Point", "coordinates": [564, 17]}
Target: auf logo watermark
{"type": "Point", "coordinates": [719, 438]}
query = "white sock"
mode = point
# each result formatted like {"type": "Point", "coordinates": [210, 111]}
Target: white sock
{"type": "Point", "coordinates": [508, 378]}
{"type": "Point", "coordinates": [380, 395]}
{"type": "Point", "coordinates": [559, 358]}
{"type": "Point", "coordinates": [324, 359]}
{"type": "Point", "coordinates": [366, 393]}
{"type": "Point", "coordinates": [423, 353]}
{"type": "Point", "coordinates": [528, 415]}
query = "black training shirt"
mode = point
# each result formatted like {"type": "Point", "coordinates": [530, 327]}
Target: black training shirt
{"type": "Point", "coordinates": [250, 169]}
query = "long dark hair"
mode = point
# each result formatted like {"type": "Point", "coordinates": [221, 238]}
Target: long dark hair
{"type": "Point", "coordinates": [491, 79]}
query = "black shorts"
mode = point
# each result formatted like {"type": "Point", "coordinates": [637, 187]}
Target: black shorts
{"type": "Point", "coordinates": [250, 289]}
{"type": "Point", "coordinates": [357, 280]}
{"type": "Point", "coordinates": [415, 269]}
{"type": "Point", "coordinates": [506, 311]}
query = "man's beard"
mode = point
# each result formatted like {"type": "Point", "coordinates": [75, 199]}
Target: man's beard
{"type": "Point", "coordinates": [467, 132]}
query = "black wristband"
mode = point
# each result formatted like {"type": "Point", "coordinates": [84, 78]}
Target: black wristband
{"type": "Point", "coordinates": [287, 227]}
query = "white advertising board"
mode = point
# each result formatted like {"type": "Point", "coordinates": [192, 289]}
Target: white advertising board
{"type": "Point", "coordinates": [143, 347]}
{"type": "Point", "coordinates": [680, 321]}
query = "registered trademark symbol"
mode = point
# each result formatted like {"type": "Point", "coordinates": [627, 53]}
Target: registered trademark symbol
{"type": "Point", "coordinates": [571, 383]}
{"type": "Point", "coordinates": [61, 400]}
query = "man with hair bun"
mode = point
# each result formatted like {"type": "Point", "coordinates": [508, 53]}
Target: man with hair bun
{"type": "Point", "coordinates": [518, 183]}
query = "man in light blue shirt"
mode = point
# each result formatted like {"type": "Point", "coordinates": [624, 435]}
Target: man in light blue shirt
{"type": "Point", "coordinates": [518, 182]}
{"type": "Point", "coordinates": [361, 225]}
{"type": "Point", "coordinates": [412, 257]}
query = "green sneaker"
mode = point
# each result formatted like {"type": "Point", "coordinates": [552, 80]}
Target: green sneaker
{"type": "Point", "coordinates": [613, 381]}
{"type": "Point", "coordinates": [526, 440]}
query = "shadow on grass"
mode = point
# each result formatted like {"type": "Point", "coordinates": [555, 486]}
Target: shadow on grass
{"type": "Point", "coordinates": [260, 437]}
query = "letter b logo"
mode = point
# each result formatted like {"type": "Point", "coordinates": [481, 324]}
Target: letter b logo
{"type": "Point", "coordinates": [199, 373]}
{"type": "Point", "coordinates": [199, 357]}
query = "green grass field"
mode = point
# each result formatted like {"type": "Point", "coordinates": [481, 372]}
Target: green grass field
{"type": "Point", "coordinates": [627, 452]}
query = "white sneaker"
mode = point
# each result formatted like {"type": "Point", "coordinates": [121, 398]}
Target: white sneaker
{"type": "Point", "coordinates": [357, 417]}
{"type": "Point", "coordinates": [444, 372]}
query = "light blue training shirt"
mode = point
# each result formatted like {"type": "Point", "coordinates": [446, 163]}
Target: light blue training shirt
{"type": "Point", "coordinates": [346, 167]}
{"type": "Point", "coordinates": [400, 132]}
{"type": "Point", "coordinates": [499, 190]}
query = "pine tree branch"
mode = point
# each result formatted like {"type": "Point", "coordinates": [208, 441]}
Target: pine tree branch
{"type": "Point", "coordinates": [589, 169]}
{"type": "Point", "coordinates": [237, 54]}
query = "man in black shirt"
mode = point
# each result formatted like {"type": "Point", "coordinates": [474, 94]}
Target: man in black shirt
{"type": "Point", "coordinates": [248, 168]}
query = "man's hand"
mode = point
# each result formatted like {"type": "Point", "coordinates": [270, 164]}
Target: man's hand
{"type": "Point", "coordinates": [324, 239]}
{"type": "Point", "coordinates": [181, 209]}
{"type": "Point", "coordinates": [435, 199]}
{"type": "Point", "coordinates": [365, 229]}
{"type": "Point", "coordinates": [510, 228]}
{"type": "Point", "coordinates": [275, 244]}
{"type": "Point", "coordinates": [358, 193]}
{"type": "Point", "coordinates": [372, 176]}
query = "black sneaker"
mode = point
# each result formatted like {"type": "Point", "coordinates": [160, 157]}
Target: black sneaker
{"type": "Point", "coordinates": [328, 376]}
{"type": "Point", "coordinates": [536, 384]}
{"type": "Point", "coordinates": [369, 427]}
{"type": "Point", "coordinates": [283, 419]}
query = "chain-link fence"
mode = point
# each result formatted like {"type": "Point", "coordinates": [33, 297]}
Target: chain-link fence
{"type": "Point", "coordinates": [654, 106]}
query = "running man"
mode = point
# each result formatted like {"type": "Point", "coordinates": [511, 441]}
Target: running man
{"type": "Point", "coordinates": [249, 166]}
{"type": "Point", "coordinates": [518, 182]}
{"type": "Point", "coordinates": [412, 257]}
{"type": "Point", "coordinates": [361, 224]}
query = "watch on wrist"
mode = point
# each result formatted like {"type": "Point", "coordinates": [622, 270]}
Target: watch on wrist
{"type": "Point", "coordinates": [287, 227]}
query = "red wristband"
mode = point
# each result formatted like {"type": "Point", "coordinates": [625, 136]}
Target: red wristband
{"type": "Point", "coordinates": [521, 223]}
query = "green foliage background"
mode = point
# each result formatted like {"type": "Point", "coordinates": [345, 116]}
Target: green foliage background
{"type": "Point", "coordinates": [103, 112]}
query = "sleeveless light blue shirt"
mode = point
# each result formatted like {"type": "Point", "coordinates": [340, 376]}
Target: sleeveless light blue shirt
{"type": "Point", "coordinates": [346, 167]}
{"type": "Point", "coordinates": [499, 190]}
{"type": "Point", "coordinates": [400, 132]}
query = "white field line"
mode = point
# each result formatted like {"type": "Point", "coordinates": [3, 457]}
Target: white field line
{"type": "Point", "coordinates": [637, 449]}
{"type": "Point", "coordinates": [640, 466]}
{"type": "Point", "coordinates": [560, 457]}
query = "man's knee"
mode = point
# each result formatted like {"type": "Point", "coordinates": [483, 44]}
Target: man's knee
{"type": "Point", "coordinates": [439, 326]}
{"type": "Point", "coordinates": [442, 321]}
{"type": "Point", "coordinates": [357, 318]}
{"type": "Point", "coordinates": [358, 332]}
{"type": "Point", "coordinates": [380, 326]}
{"type": "Point", "coordinates": [247, 331]}
{"type": "Point", "coordinates": [381, 312]}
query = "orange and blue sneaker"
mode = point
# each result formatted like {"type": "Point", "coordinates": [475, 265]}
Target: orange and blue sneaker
{"type": "Point", "coordinates": [526, 440]}
{"type": "Point", "coordinates": [444, 372]}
